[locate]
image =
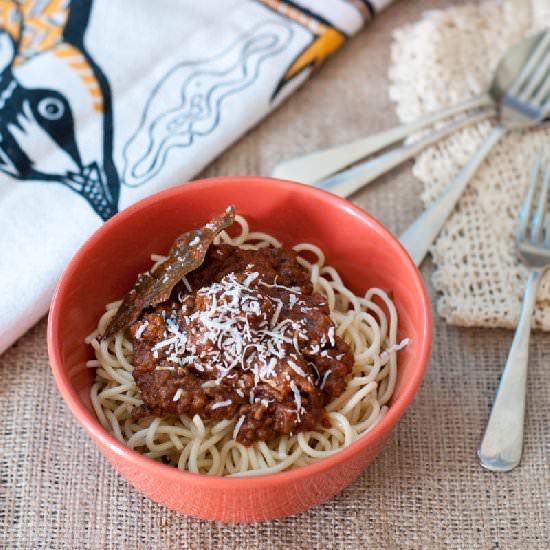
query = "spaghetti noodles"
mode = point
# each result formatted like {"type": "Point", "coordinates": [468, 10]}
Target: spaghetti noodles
{"type": "Point", "coordinates": [210, 447]}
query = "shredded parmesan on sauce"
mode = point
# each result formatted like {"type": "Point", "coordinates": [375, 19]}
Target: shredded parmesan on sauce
{"type": "Point", "coordinates": [325, 376]}
{"type": "Point", "coordinates": [222, 322]}
{"type": "Point", "coordinates": [238, 426]}
{"type": "Point", "coordinates": [141, 330]}
{"type": "Point", "coordinates": [297, 398]}
{"type": "Point", "coordinates": [220, 404]}
{"type": "Point", "coordinates": [298, 370]}
{"type": "Point", "coordinates": [236, 325]}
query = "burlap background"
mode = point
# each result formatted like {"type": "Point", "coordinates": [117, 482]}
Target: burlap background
{"type": "Point", "coordinates": [426, 490]}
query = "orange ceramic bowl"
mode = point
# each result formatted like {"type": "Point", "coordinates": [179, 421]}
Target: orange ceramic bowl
{"type": "Point", "coordinates": [103, 270]}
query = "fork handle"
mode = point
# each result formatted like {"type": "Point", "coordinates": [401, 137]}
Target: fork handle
{"type": "Point", "coordinates": [501, 447]}
{"type": "Point", "coordinates": [418, 238]}
{"type": "Point", "coordinates": [349, 181]}
{"type": "Point", "coordinates": [314, 167]}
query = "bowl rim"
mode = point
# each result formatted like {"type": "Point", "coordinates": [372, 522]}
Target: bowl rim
{"type": "Point", "coordinates": [99, 434]}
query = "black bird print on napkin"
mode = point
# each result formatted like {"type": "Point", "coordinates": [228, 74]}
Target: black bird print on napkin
{"type": "Point", "coordinates": [39, 124]}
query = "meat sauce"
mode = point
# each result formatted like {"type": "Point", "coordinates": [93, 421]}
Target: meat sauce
{"type": "Point", "coordinates": [244, 336]}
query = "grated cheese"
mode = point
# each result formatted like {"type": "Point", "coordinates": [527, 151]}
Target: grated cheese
{"type": "Point", "coordinates": [221, 404]}
{"type": "Point", "coordinates": [218, 336]}
{"type": "Point", "coordinates": [238, 426]}
{"type": "Point", "coordinates": [297, 369]}
{"type": "Point", "coordinates": [251, 277]}
{"type": "Point", "coordinates": [395, 347]}
{"type": "Point", "coordinates": [330, 333]}
{"type": "Point", "coordinates": [141, 329]}
{"type": "Point", "coordinates": [275, 317]}
{"type": "Point", "coordinates": [325, 376]}
{"type": "Point", "coordinates": [297, 398]}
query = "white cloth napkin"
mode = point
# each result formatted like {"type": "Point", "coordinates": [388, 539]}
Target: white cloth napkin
{"type": "Point", "coordinates": [103, 103]}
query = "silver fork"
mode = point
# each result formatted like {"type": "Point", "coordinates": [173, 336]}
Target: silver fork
{"type": "Point", "coordinates": [327, 168]}
{"type": "Point", "coordinates": [526, 104]}
{"type": "Point", "coordinates": [501, 447]}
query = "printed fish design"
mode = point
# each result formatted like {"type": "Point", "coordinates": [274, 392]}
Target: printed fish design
{"type": "Point", "coordinates": [49, 88]}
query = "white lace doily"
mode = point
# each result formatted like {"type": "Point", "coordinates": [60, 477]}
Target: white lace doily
{"type": "Point", "coordinates": [445, 57]}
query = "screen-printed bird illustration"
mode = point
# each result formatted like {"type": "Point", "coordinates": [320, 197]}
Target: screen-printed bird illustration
{"type": "Point", "coordinates": [50, 89]}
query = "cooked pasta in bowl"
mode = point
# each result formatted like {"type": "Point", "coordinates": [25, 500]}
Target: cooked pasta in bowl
{"type": "Point", "coordinates": [240, 348]}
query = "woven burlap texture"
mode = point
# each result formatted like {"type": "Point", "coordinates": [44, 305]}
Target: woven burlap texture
{"type": "Point", "coordinates": [425, 491]}
{"type": "Point", "coordinates": [447, 56]}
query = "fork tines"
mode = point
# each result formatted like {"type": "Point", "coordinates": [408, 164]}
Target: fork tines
{"type": "Point", "coordinates": [538, 220]}
{"type": "Point", "coordinates": [533, 82]}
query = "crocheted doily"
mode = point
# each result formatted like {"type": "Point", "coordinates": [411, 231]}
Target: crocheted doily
{"type": "Point", "coordinates": [445, 57]}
